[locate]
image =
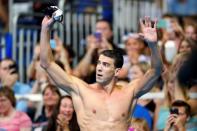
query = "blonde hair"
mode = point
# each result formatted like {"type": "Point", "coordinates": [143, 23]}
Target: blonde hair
{"type": "Point", "coordinates": [144, 66]}
{"type": "Point", "coordinates": [140, 122]}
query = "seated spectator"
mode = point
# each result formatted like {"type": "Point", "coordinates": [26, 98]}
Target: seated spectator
{"type": "Point", "coordinates": [138, 124]}
{"type": "Point", "coordinates": [9, 77]}
{"type": "Point", "coordinates": [179, 118]}
{"type": "Point", "coordinates": [10, 119]}
{"type": "Point", "coordinates": [51, 96]}
{"type": "Point", "coordinates": [63, 117]}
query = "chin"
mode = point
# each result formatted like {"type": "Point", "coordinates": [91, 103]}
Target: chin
{"type": "Point", "coordinates": [99, 81]}
{"type": "Point", "coordinates": [102, 83]}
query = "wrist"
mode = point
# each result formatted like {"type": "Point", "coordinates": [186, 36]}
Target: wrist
{"type": "Point", "coordinates": [45, 29]}
{"type": "Point", "coordinates": [150, 41]}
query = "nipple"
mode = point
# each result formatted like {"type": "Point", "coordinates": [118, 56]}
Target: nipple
{"type": "Point", "coordinates": [94, 111]}
{"type": "Point", "coordinates": [123, 114]}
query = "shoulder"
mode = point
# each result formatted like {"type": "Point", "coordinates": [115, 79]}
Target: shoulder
{"type": "Point", "coordinates": [22, 116]}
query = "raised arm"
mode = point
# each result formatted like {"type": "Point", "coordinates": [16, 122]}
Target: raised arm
{"type": "Point", "coordinates": [84, 66]}
{"type": "Point", "coordinates": [146, 83]}
{"type": "Point", "coordinates": [62, 79]}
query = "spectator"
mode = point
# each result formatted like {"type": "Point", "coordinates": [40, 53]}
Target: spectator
{"type": "Point", "coordinates": [134, 47]}
{"type": "Point", "coordinates": [138, 70]}
{"type": "Point", "coordinates": [190, 31]}
{"type": "Point", "coordinates": [51, 96]}
{"type": "Point", "coordinates": [178, 120]}
{"type": "Point", "coordinates": [9, 77]}
{"type": "Point", "coordinates": [138, 124]}
{"type": "Point", "coordinates": [186, 45]}
{"type": "Point", "coordinates": [163, 105]}
{"type": "Point", "coordinates": [10, 119]}
{"type": "Point", "coordinates": [187, 79]}
{"type": "Point", "coordinates": [143, 113]}
{"type": "Point", "coordinates": [63, 117]}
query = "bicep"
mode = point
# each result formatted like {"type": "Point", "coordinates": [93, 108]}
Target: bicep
{"type": "Point", "coordinates": [145, 83]}
{"type": "Point", "coordinates": [63, 79]}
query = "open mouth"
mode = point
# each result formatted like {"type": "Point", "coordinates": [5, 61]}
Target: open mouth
{"type": "Point", "coordinates": [99, 75]}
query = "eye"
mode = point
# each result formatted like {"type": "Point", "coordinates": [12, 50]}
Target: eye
{"type": "Point", "coordinates": [106, 64]}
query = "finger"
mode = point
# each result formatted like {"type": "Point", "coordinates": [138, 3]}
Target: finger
{"type": "Point", "coordinates": [12, 71]}
{"type": "Point", "coordinates": [155, 23]}
{"type": "Point", "coordinates": [146, 21]}
{"type": "Point", "coordinates": [141, 23]}
{"type": "Point", "coordinates": [58, 122]}
{"type": "Point", "coordinates": [59, 117]}
{"type": "Point", "coordinates": [50, 20]}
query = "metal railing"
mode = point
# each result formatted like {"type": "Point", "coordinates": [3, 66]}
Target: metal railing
{"type": "Point", "coordinates": [2, 46]}
{"type": "Point", "coordinates": [126, 15]}
{"type": "Point", "coordinates": [76, 27]}
{"type": "Point", "coordinates": [5, 45]}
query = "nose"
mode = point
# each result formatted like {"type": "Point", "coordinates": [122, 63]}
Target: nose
{"type": "Point", "coordinates": [99, 67]}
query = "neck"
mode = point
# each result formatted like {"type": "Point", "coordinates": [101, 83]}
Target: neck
{"type": "Point", "coordinates": [108, 88]}
{"type": "Point", "coordinates": [49, 110]}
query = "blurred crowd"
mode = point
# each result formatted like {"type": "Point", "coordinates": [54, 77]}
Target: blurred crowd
{"type": "Point", "coordinates": [177, 110]}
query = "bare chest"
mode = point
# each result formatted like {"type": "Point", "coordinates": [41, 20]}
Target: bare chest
{"type": "Point", "coordinates": [104, 107]}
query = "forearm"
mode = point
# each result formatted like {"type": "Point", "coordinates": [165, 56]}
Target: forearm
{"type": "Point", "coordinates": [83, 67]}
{"type": "Point", "coordinates": [64, 60]}
{"type": "Point", "coordinates": [31, 70]}
{"type": "Point", "coordinates": [46, 52]}
{"type": "Point", "coordinates": [152, 76]}
{"type": "Point", "coordinates": [156, 62]}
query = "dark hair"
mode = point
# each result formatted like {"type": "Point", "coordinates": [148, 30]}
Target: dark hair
{"type": "Point", "coordinates": [7, 92]}
{"type": "Point", "coordinates": [187, 74]}
{"type": "Point", "coordinates": [106, 21]}
{"type": "Point", "coordinates": [191, 43]}
{"type": "Point", "coordinates": [53, 88]}
{"type": "Point", "coordinates": [180, 103]}
{"type": "Point", "coordinates": [116, 55]}
{"type": "Point", "coordinates": [52, 124]}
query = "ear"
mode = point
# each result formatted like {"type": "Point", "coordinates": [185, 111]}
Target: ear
{"type": "Point", "coordinates": [117, 71]}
